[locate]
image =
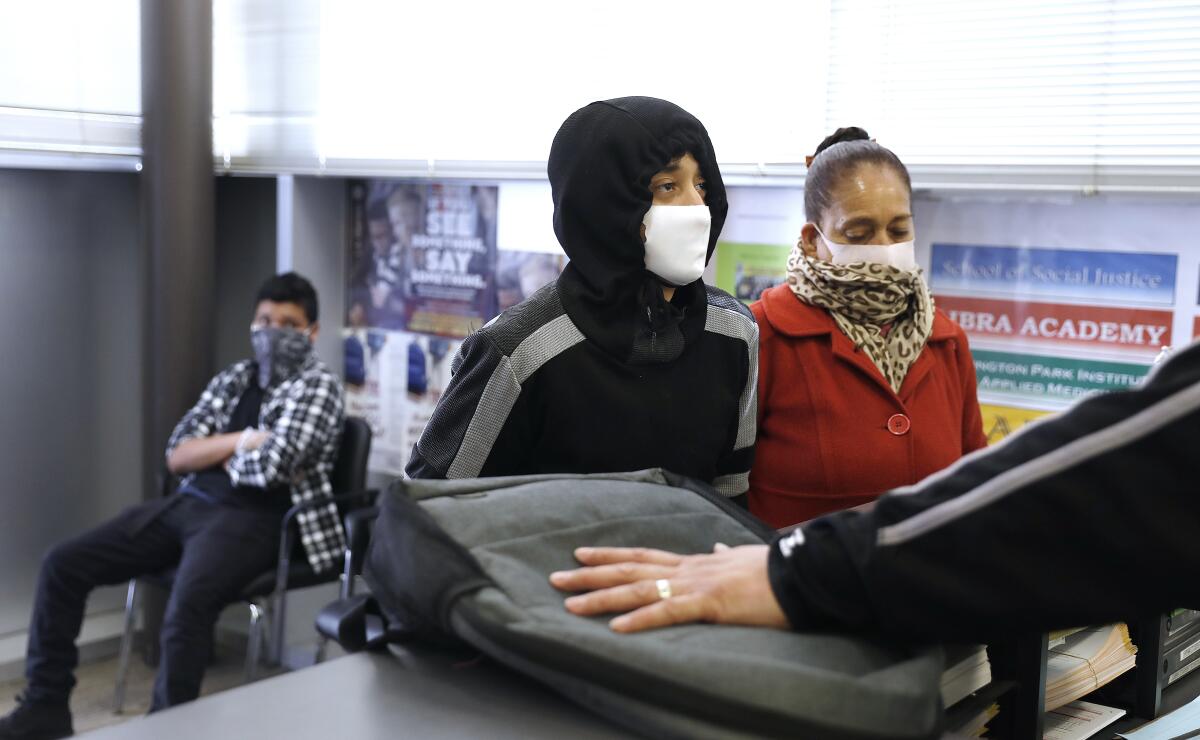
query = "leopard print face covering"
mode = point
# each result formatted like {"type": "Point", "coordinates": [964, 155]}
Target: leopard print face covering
{"type": "Point", "coordinates": [865, 297]}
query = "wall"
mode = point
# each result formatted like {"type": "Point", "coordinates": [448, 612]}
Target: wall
{"type": "Point", "coordinates": [1125, 223]}
{"type": "Point", "coordinates": [245, 234]}
{"type": "Point", "coordinates": [318, 243]}
{"type": "Point", "coordinates": [70, 382]}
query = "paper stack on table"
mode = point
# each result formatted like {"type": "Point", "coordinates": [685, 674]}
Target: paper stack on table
{"type": "Point", "coordinates": [1085, 661]}
{"type": "Point", "coordinates": [1058, 637]}
{"type": "Point", "coordinates": [1078, 720]}
{"type": "Point", "coordinates": [967, 671]}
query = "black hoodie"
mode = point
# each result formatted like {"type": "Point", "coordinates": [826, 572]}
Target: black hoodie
{"type": "Point", "coordinates": [597, 372]}
{"type": "Point", "coordinates": [600, 168]}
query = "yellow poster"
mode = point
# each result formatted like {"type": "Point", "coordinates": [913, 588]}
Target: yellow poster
{"type": "Point", "coordinates": [1001, 421]}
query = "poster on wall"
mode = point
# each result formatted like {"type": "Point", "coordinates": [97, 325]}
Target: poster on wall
{"type": "Point", "coordinates": [1128, 331]}
{"type": "Point", "coordinates": [1051, 326]}
{"type": "Point", "coordinates": [362, 350]}
{"type": "Point", "coordinates": [1053, 382]}
{"type": "Point", "coordinates": [1196, 320]}
{"type": "Point", "coordinates": [760, 229]}
{"type": "Point", "coordinates": [422, 256]}
{"type": "Point", "coordinates": [1091, 277]}
{"type": "Point", "coordinates": [520, 274]}
{"type": "Point", "coordinates": [394, 380]}
{"type": "Point", "coordinates": [370, 361]}
{"type": "Point", "coordinates": [425, 375]}
{"type": "Point", "coordinates": [1001, 421]}
{"type": "Point", "coordinates": [424, 271]}
{"type": "Point", "coordinates": [746, 270]}
{"type": "Point", "coordinates": [1059, 303]}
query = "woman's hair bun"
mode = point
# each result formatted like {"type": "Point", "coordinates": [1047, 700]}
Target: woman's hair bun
{"type": "Point", "coordinates": [828, 169]}
{"type": "Point", "coordinates": [847, 133]}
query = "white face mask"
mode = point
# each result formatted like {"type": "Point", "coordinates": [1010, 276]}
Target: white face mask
{"type": "Point", "coordinates": [677, 242]}
{"type": "Point", "coordinates": [902, 255]}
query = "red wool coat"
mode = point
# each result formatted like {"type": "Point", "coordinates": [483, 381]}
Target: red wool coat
{"type": "Point", "coordinates": [831, 432]}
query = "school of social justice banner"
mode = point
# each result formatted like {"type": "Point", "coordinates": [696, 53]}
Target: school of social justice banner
{"type": "Point", "coordinates": [1051, 326]}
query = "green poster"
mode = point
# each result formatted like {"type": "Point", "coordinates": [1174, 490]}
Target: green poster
{"type": "Point", "coordinates": [1054, 380]}
{"type": "Point", "coordinates": [746, 270]}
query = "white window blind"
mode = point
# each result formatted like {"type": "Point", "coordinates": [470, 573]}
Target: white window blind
{"type": "Point", "coordinates": [478, 88]}
{"type": "Point", "coordinates": [1066, 94]}
{"type": "Point", "coordinates": [70, 83]}
{"type": "Point", "coordinates": [266, 74]}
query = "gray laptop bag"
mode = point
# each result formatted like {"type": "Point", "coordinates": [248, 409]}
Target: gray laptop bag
{"type": "Point", "coordinates": [470, 559]}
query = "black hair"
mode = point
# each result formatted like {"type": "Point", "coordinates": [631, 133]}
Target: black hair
{"type": "Point", "coordinates": [290, 288]}
{"type": "Point", "coordinates": [838, 155]}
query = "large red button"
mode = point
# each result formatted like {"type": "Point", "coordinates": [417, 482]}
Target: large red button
{"type": "Point", "coordinates": [899, 424]}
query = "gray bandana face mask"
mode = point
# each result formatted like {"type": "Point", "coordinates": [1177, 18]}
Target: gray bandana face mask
{"type": "Point", "coordinates": [280, 353]}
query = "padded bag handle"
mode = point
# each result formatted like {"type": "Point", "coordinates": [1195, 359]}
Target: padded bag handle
{"type": "Point", "coordinates": [415, 569]}
{"type": "Point", "coordinates": [357, 624]}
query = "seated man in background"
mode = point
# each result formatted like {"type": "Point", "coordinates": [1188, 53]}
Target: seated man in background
{"type": "Point", "coordinates": [262, 437]}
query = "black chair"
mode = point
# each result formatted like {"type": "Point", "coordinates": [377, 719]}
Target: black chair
{"type": "Point", "coordinates": [266, 596]}
{"type": "Point", "coordinates": [340, 620]}
{"type": "Point", "coordinates": [344, 621]}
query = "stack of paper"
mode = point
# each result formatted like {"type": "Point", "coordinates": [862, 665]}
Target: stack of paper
{"type": "Point", "coordinates": [967, 671]}
{"type": "Point", "coordinates": [1078, 720]}
{"type": "Point", "coordinates": [1058, 637]}
{"type": "Point", "coordinates": [1085, 661]}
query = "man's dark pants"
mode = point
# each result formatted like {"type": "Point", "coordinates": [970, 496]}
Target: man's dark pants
{"type": "Point", "coordinates": [217, 549]}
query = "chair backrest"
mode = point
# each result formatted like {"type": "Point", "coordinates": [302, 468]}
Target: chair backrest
{"type": "Point", "coordinates": [350, 468]}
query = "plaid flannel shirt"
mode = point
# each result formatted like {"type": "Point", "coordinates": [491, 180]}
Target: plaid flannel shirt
{"type": "Point", "coordinates": [304, 417]}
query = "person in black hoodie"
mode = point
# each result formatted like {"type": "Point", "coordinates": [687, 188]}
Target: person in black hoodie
{"type": "Point", "coordinates": [627, 361]}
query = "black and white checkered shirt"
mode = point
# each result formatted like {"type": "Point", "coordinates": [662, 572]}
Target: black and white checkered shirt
{"type": "Point", "coordinates": [304, 416]}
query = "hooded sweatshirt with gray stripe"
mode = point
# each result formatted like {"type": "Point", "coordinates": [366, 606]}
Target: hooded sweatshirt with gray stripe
{"type": "Point", "coordinates": [597, 372]}
{"type": "Point", "coordinates": [1091, 516]}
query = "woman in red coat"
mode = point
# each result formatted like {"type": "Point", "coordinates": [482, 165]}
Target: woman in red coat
{"type": "Point", "coordinates": [863, 385]}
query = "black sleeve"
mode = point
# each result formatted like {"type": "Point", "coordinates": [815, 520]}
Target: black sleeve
{"type": "Point", "coordinates": [1091, 516]}
{"type": "Point", "coordinates": [470, 426]}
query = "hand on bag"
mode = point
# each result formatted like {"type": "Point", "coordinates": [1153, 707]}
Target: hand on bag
{"type": "Point", "coordinates": [660, 588]}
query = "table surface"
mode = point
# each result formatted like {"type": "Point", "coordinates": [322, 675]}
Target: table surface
{"type": "Point", "coordinates": [424, 694]}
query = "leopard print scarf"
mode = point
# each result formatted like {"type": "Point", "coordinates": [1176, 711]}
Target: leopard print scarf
{"type": "Point", "coordinates": [863, 298]}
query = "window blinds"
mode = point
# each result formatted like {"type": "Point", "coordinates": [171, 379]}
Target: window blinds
{"type": "Point", "coordinates": [477, 88]}
{"type": "Point", "coordinates": [70, 90]}
{"type": "Point", "coordinates": [1066, 94]}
